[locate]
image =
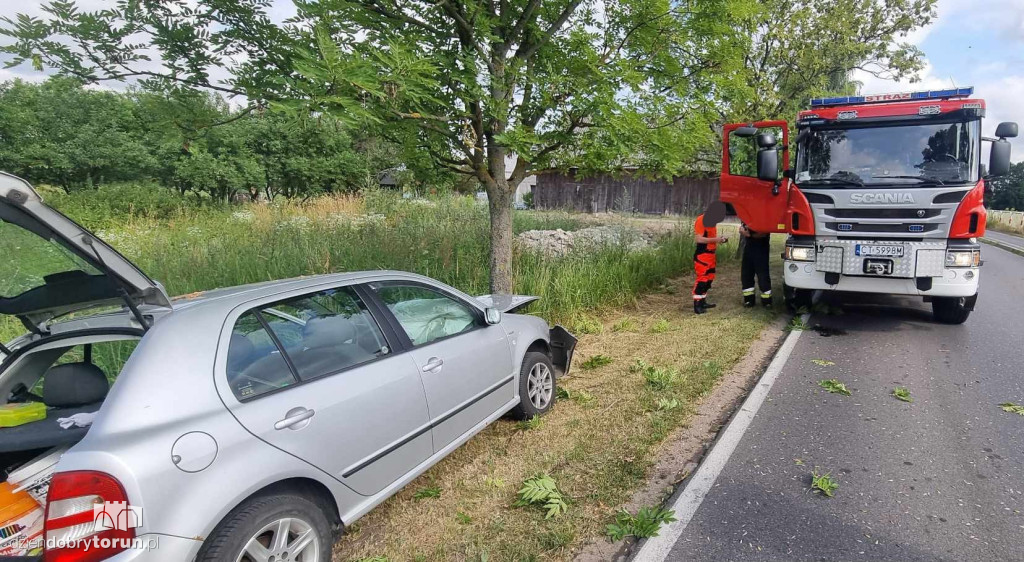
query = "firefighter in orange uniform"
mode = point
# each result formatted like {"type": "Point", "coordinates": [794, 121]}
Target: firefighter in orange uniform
{"type": "Point", "coordinates": [705, 233]}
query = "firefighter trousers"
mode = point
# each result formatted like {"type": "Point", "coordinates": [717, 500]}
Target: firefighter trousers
{"type": "Point", "coordinates": [755, 264]}
{"type": "Point", "coordinates": [704, 266]}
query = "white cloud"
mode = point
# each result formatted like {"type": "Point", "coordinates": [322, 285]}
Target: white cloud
{"type": "Point", "coordinates": [1003, 19]}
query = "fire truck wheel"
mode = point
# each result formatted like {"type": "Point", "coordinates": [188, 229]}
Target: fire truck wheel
{"type": "Point", "coordinates": [951, 310]}
{"type": "Point", "coordinates": [797, 299]}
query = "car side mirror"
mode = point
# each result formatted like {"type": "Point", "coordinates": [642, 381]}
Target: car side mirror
{"type": "Point", "coordinates": [768, 164]}
{"type": "Point", "coordinates": [492, 316]}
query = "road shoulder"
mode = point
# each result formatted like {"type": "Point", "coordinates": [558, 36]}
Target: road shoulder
{"type": "Point", "coordinates": [683, 451]}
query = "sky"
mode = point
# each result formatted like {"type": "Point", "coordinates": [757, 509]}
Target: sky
{"type": "Point", "coordinates": [976, 43]}
{"type": "Point", "coordinates": [972, 43]}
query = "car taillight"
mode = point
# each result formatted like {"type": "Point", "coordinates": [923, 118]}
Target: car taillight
{"type": "Point", "coordinates": [70, 528]}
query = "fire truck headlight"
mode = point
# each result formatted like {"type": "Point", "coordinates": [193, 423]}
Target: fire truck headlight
{"type": "Point", "coordinates": [963, 258]}
{"type": "Point", "coordinates": [800, 253]}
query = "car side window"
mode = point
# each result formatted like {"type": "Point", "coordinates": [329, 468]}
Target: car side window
{"type": "Point", "coordinates": [326, 332]}
{"type": "Point", "coordinates": [255, 364]}
{"type": "Point", "coordinates": [427, 315]}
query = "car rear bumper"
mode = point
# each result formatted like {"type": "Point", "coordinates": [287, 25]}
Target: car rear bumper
{"type": "Point", "coordinates": [158, 548]}
{"type": "Point", "coordinates": [954, 282]}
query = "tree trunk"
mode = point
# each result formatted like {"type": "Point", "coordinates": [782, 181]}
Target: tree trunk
{"type": "Point", "coordinates": [499, 198]}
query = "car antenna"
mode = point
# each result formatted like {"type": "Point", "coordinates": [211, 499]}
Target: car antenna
{"type": "Point", "coordinates": [88, 240]}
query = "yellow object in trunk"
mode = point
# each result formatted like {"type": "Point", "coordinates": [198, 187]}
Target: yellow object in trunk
{"type": "Point", "coordinates": [20, 414]}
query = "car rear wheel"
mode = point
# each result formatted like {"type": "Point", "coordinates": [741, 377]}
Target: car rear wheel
{"type": "Point", "coordinates": [536, 386]}
{"type": "Point", "coordinates": [952, 310]}
{"type": "Point", "coordinates": [279, 528]}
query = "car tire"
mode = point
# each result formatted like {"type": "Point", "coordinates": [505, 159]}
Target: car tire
{"type": "Point", "coordinates": [260, 518]}
{"type": "Point", "coordinates": [536, 376]}
{"type": "Point", "coordinates": [952, 310]}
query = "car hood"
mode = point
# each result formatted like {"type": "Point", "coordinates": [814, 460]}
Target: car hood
{"type": "Point", "coordinates": [51, 266]}
{"type": "Point", "coordinates": [506, 303]}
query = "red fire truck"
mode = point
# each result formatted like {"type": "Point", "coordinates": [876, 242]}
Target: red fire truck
{"type": "Point", "coordinates": [886, 195]}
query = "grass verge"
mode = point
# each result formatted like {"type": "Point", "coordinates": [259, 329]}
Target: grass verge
{"type": "Point", "coordinates": [597, 450]}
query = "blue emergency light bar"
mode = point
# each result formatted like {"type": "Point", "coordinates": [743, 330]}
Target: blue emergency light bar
{"type": "Point", "coordinates": [904, 96]}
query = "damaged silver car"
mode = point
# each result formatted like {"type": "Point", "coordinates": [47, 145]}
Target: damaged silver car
{"type": "Point", "coordinates": [247, 424]}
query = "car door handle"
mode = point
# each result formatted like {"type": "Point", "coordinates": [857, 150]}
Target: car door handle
{"type": "Point", "coordinates": [294, 417]}
{"type": "Point", "coordinates": [433, 365]}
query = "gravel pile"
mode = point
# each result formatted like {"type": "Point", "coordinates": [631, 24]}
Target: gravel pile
{"type": "Point", "coordinates": [561, 242]}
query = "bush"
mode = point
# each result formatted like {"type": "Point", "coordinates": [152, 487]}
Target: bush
{"type": "Point", "coordinates": [112, 205]}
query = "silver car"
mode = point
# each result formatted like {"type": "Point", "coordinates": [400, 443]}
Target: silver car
{"type": "Point", "coordinates": [247, 424]}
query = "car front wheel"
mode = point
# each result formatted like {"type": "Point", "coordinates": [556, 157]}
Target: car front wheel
{"type": "Point", "coordinates": [279, 528]}
{"type": "Point", "coordinates": [536, 386]}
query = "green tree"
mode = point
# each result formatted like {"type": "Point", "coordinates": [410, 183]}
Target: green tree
{"type": "Point", "coordinates": [805, 48]}
{"type": "Point", "coordinates": [62, 134]}
{"type": "Point", "coordinates": [1007, 192]}
{"type": "Point", "coordinates": [603, 83]}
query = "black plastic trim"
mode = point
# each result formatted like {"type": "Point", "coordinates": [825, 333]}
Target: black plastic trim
{"type": "Point", "coordinates": [950, 197]}
{"type": "Point", "coordinates": [819, 198]}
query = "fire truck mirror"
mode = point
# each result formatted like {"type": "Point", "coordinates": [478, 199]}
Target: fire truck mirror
{"type": "Point", "coordinates": [998, 159]}
{"type": "Point", "coordinates": [768, 164]}
{"type": "Point", "coordinates": [766, 140]}
{"type": "Point", "coordinates": [745, 131]}
{"type": "Point", "coordinates": [1006, 130]}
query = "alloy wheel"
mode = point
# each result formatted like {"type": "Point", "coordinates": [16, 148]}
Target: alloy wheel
{"type": "Point", "coordinates": [540, 385]}
{"type": "Point", "coordinates": [285, 540]}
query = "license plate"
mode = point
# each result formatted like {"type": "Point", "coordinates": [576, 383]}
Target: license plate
{"type": "Point", "coordinates": [886, 250]}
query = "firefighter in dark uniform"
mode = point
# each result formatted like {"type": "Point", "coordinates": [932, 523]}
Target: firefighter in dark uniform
{"type": "Point", "coordinates": [705, 234]}
{"type": "Point", "coordinates": [756, 249]}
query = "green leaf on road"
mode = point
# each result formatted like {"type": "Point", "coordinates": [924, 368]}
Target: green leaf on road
{"type": "Point", "coordinates": [834, 386]}
{"type": "Point", "coordinates": [1012, 408]}
{"type": "Point", "coordinates": [902, 394]}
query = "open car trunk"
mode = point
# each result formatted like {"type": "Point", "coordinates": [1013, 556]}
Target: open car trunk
{"type": "Point", "coordinates": [51, 266]}
{"type": "Point", "coordinates": [58, 378]}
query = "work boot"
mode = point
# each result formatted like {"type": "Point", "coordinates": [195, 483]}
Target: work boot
{"type": "Point", "coordinates": [749, 301]}
{"type": "Point", "coordinates": [709, 304]}
{"type": "Point", "coordinates": [699, 307]}
{"type": "Point", "coordinates": [765, 302]}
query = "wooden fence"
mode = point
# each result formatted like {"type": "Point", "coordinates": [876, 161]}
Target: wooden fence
{"type": "Point", "coordinates": [1007, 220]}
{"type": "Point", "coordinates": [628, 193]}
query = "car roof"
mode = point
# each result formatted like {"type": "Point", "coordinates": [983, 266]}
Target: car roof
{"type": "Point", "coordinates": [222, 300]}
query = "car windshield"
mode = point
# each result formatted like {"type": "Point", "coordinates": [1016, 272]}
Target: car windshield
{"type": "Point", "coordinates": [30, 260]}
{"type": "Point", "coordinates": [905, 155]}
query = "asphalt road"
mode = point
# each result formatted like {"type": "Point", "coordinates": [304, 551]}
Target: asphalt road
{"type": "Point", "coordinates": [941, 478]}
{"type": "Point", "coordinates": [1005, 238]}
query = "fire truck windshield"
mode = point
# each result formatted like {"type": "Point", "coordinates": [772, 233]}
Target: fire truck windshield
{"type": "Point", "coordinates": [904, 155]}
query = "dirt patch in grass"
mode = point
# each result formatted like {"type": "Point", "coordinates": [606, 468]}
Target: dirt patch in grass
{"type": "Point", "coordinates": [599, 450]}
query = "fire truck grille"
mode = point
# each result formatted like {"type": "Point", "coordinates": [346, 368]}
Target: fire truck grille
{"type": "Point", "coordinates": [882, 213]}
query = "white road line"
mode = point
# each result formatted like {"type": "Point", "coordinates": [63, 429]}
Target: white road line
{"type": "Point", "coordinates": [657, 548]}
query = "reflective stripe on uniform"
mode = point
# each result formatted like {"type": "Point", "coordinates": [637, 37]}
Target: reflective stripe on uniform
{"type": "Point", "coordinates": [748, 292]}
{"type": "Point", "coordinates": [764, 294]}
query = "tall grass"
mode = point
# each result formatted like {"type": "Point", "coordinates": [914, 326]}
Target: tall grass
{"type": "Point", "coordinates": [193, 248]}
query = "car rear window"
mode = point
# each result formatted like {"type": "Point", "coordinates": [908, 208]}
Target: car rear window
{"type": "Point", "coordinates": [326, 332]}
{"type": "Point", "coordinates": [255, 364]}
{"type": "Point", "coordinates": [309, 336]}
